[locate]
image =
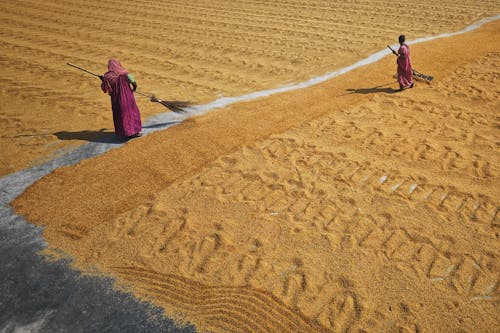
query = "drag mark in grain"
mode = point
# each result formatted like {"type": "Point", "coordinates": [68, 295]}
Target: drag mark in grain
{"type": "Point", "coordinates": [238, 309]}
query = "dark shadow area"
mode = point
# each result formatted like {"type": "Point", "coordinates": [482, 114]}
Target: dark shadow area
{"type": "Point", "coordinates": [40, 295]}
{"type": "Point", "coordinates": [162, 124]}
{"type": "Point", "coordinates": [374, 90]}
{"type": "Point", "coordinates": [365, 91]}
{"type": "Point", "coordinates": [102, 136]}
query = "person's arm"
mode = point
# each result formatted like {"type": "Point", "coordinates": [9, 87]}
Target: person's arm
{"type": "Point", "coordinates": [402, 53]}
{"type": "Point", "coordinates": [131, 80]}
{"type": "Point", "coordinates": [105, 87]}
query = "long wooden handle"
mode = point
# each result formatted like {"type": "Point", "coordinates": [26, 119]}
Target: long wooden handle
{"type": "Point", "coordinates": [82, 69]}
{"type": "Point", "coordinates": [87, 71]}
{"type": "Point", "coordinates": [143, 94]}
{"type": "Point", "coordinates": [390, 48]}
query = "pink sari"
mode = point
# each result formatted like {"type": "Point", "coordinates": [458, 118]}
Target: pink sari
{"type": "Point", "coordinates": [405, 71]}
{"type": "Point", "coordinates": [126, 116]}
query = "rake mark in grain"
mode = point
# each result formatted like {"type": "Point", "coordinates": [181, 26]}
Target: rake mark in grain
{"type": "Point", "coordinates": [74, 231]}
{"type": "Point", "coordinates": [205, 307]}
{"type": "Point", "coordinates": [201, 299]}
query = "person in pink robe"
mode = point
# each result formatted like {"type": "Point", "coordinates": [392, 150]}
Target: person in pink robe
{"type": "Point", "coordinates": [120, 85]}
{"type": "Point", "coordinates": [405, 70]}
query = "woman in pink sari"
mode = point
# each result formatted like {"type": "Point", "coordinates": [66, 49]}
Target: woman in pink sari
{"type": "Point", "coordinates": [120, 85]}
{"type": "Point", "coordinates": [405, 71]}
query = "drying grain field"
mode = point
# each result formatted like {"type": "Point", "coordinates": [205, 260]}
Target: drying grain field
{"type": "Point", "coordinates": [195, 51]}
{"type": "Point", "coordinates": [342, 207]}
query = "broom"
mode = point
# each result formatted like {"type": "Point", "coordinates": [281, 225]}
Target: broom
{"type": "Point", "coordinates": [175, 106]}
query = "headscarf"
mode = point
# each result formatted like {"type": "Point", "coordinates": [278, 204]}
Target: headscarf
{"type": "Point", "coordinates": [115, 69]}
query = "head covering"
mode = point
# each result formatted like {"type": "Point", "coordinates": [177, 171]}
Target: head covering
{"type": "Point", "coordinates": [115, 69]}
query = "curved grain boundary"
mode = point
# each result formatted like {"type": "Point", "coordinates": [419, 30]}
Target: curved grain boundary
{"type": "Point", "coordinates": [234, 309]}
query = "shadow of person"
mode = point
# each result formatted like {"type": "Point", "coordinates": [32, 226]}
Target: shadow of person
{"type": "Point", "coordinates": [374, 90]}
{"type": "Point", "coordinates": [365, 91]}
{"type": "Point", "coordinates": [102, 136]}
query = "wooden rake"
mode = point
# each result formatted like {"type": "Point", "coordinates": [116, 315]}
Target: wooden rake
{"type": "Point", "coordinates": [175, 106]}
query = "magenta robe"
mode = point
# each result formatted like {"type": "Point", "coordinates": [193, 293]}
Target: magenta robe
{"type": "Point", "coordinates": [126, 116]}
{"type": "Point", "coordinates": [405, 71]}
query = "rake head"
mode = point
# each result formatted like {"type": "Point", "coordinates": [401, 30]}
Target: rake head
{"type": "Point", "coordinates": [174, 106]}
